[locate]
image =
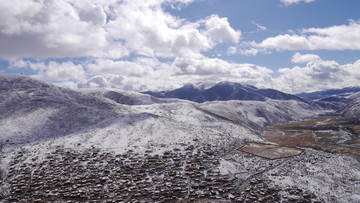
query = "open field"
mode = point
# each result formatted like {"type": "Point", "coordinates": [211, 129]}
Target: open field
{"type": "Point", "coordinates": [270, 151]}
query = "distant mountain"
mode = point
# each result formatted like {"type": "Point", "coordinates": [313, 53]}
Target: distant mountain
{"type": "Point", "coordinates": [344, 92]}
{"type": "Point", "coordinates": [333, 98]}
{"type": "Point", "coordinates": [224, 91]}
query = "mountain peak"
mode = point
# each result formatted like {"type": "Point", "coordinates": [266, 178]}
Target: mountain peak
{"type": "Point", "coordinates": [190, 86]}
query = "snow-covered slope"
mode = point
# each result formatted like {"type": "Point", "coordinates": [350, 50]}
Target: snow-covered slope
{"type": "Point", "coordinates": [351, 110]}
{"type": "Point", "coordinates": [35, 111]}
{"type": "Point", "coordinates": [127, 98]}
{"type": "Point", "coordinates": [258, 115]}
{"type": "Point", "coordinates": [31, 110]}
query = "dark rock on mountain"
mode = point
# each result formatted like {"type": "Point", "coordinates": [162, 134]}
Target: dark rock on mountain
{"type": "Point", "coordinates": [224, 91]}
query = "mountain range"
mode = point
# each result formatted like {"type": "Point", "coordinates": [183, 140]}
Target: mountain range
{"type": "Point", "coordinates": [32, 110]}
{"type": "Point", "coordinates": [334, 98]}
{"type": "Point", "coordinates": [224, 91]}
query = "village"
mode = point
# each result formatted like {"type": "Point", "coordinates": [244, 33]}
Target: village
{"type": "Point", "coordinates": [95, 175]}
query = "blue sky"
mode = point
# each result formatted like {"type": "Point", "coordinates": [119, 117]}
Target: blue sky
{"type": "Point", "coordinates": [291, 45]}
{"type": "Point", "coordinates": [278, 19]}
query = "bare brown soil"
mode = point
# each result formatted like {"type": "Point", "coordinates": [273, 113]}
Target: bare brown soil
{"type": "Point", "coordinates": [327, 133]}
{"type": "Point", "coordinates": [270, 151]}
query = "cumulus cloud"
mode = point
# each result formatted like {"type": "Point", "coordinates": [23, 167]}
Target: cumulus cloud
{"type": "Point", "coordinates": [317, 75]}
{"type": "Point", "coordinates": [53, 71]}
{"type": "Point", "coordinates": [125, 44]}
{"type": "Point", "coordinates": [342, 37]}
{"type": "Point", "coordinates": [220, 30]}
{"type": "Point", "coordinates": [138, 46]}
{"type": "Point", "coordinates": [97, 81]}
{"type": "Point", "coordinates": [106, 28]}
{"type": "Point", "coordinates": [304, 58]}
{"type": "Point", "coordinates": [48, 28]}
{"type": "Point", "coordinates": [161, 76]}
{"type": "Point", "coordinates": [291, 2]}
{"type": "Point", "coordinates": [214, 69]}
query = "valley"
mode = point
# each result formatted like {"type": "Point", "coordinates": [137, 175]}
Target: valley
{"type": "Point", "coordinates": [329, 133]}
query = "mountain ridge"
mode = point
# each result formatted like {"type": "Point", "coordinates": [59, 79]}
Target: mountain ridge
{"type": "Point", "coordinates": [334, 99]}
{"type": "Point", "coordinates": [224, 91]}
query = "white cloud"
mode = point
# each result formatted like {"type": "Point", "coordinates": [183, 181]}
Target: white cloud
{"type": "Point", "coordinates": [304, 58]}
{"type": "Point", "coordinates": [220, 30]}
{"type": "Point", "coordinates": [151, 74]}
{"type": "Point", "coordinates": [160, 76]}
{"type": "Point", "coordinates": [125, 68]}
{"type": "Point", "coordinates": [291, 2]}
{"type": "Point", "coordinates": [342, 37]}
{"type": "Point", "coordinates": [259, 27]}
{"type": "Point", "coordinates": [232, 50]}
{"type": "Point", "coordinates": [317, 75]}
{"type": "Point", "coordinates": [47, 28]}
{"type": "Point", "coordinates": [98, 81]}
{"type": "Point", "coordinates": [166, 51]}
{"type": "Point", "coordinates": [105, 28]}
{"type": "Point", "coordinates": [216, 70]}
{"type": "Point", "coordinates": [247, 49]}
{"type": "Point", "coordinates": [53, 71]}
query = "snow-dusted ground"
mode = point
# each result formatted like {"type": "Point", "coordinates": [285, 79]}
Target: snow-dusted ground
{"type": "Point", "coordinates": [332, 177]}
{"type": "Point", "coordinates": [259, 115]}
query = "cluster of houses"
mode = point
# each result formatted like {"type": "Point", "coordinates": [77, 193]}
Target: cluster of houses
{"type": "Point", "coordinates": [94, 175]}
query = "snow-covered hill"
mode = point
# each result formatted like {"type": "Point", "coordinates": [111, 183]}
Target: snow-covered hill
{"type": "Point", "coordinates": [258, 115]}
{"type": "Point", "coordinates": [351, 110]}
{"type": "Point", "coordinates": [32, 110]}
{"type": "Point", "coordinates": [35, 111]}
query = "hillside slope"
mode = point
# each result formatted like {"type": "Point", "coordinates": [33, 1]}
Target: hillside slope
{"type": "Point", "coordinates": [258, 115]}
{"type": "Point", "coordinates": [351, 110]}
{"type": "Point", "coordinates": [35, 111]}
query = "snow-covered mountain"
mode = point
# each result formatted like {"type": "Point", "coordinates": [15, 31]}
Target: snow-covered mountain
{"type": "Point", "coordinates": [32, 110]}
{"type": "Point", "coordinates": [333, 98]}
{"type": "Point", "coordinates": [224, 91]}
